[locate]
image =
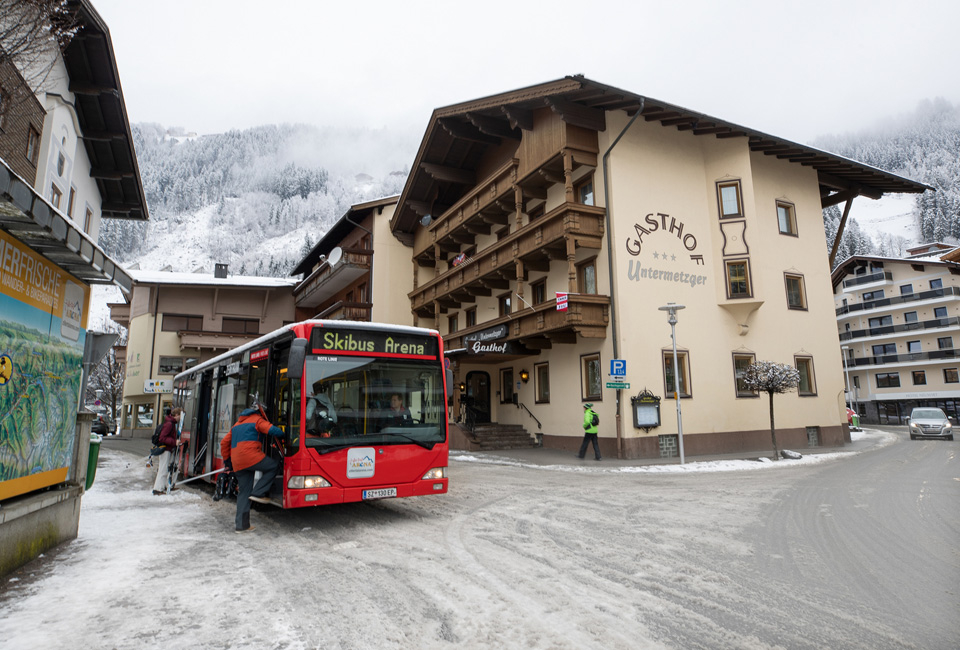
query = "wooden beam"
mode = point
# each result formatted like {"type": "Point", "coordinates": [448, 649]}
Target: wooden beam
{"type": "Point", "coordinates": [92, 89]}
{"type": "Point", "coordinates": [477, 227]}
{"type": "Point", "coordinates": [563, 336]}
{"type": "Point", "coordinates": [489, 216]}
{"type": "Point", "coordinates": [534, 192]}
{"type": "Point", "coordinates": [449, 174]}
{"type": "Point", "coordinates": [101, 136]}
{"type": "Point", "coordinates": [463, 238]}
{"type": "Point", "coordinates": [478, 290]}
{"type": "Point", "coordinates": [520, 118]}
{"type": "Point", "coordinates": [110, 174]}
{"type": "Point", "coordinates": [114, 206]}
{"type": "Point", "coordinates": [538, 264]}
{"type": "Point", "coordinates": [577, 114]}
{"type": "Point", "coordinates": [467, 132]}
{"type": "Point", "coordinates": [422, 208]}
{"type": "Point", "coordinates": [495, 283]}
{"type": "Point", "coordinates": [549, 177]}
{"type": "Point", "coordinates": [843, 222]}
{"type": "Point", "coordinates": [493, 126]}
{"type": "Point", "coordinates": [839, 197]}
{"type": "Point", "coordinates": [538, 343]}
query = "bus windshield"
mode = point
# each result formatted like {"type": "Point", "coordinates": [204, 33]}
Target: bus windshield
{"type": "Point", "coordinates": [353, 400]}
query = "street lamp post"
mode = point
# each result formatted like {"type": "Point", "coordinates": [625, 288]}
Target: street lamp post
{"type": "Point", "coordinates": [846, 369]}
{"type": "Point", "coordinates": [672, 309]}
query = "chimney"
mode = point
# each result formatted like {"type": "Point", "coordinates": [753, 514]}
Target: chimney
{"type": "Point", "coordinates": [220, 271]}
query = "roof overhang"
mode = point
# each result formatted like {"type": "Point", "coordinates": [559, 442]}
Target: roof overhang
{"type": "Point", "coordinates": [849, 265]}
{"type": "Point", "coordinates": [27, 216]}
{"type": "Point", "coordinates": [102, 115]}
{"type": "Point", "coordinates": [458, 136]}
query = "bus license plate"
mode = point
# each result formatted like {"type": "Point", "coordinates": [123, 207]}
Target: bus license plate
{"type": "Point", "coordinates": [383, 493]}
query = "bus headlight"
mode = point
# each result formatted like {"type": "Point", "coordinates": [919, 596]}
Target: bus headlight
{"type": "Point", "coordinates": [435, 473]}
{"type": "Point", "coordinates": [307, 482]}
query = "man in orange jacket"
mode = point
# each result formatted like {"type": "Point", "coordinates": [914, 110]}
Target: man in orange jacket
{"type": "Point", "coordinates": [242, 454]}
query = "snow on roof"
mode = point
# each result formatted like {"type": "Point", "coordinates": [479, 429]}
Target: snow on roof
{"type": "Point", "coordinates": [206, 279]}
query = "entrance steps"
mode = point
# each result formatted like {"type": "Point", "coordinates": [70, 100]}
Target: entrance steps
{"type": "Point", "coordinates": [492, 436]}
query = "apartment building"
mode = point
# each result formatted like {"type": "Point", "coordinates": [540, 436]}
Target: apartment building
{"type": "Point", "coordinates": [358, 270]}
{"type": "Point", "coordinates": [550, 224]}
{"type": "Point", "coordinates": [177, 320]}
{"type": "Point", "coordinates": [66, 162]}
{"type": "Point", "coordinates": [898, 321]}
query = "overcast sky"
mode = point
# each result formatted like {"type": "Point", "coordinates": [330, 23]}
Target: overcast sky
{"type": "Point", "coordinates": [793, 69]}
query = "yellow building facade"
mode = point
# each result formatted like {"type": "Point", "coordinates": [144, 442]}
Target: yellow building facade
{"type": "Point", "coordinates": [550, 224]}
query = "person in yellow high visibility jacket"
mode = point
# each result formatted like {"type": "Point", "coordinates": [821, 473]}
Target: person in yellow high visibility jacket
{"type": "Point", "coordinates": [589, 432]}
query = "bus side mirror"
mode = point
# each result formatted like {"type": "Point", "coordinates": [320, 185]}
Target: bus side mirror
{"type": "Point", "coordinates": [448, 376]}
{"type": "Point", "coordinates": [298, 354]}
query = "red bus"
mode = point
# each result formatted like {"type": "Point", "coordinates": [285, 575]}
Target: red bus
{"type": "Point", "coordinates": [331, 386]}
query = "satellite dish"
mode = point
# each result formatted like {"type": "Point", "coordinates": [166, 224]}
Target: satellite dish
{"type": "Point", "coordinates": [425, 221]}
{"type": "Point", "coordinates": [334, 256]}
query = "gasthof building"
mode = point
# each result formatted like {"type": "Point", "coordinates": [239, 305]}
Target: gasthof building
{"type": "Point", "coordinates": [549, 224]}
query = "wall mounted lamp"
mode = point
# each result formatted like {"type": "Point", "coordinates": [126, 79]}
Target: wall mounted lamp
{"type": "Point", "coordinates": [462, 387]}
{"type": "Point", "coordinates": [524, 376]}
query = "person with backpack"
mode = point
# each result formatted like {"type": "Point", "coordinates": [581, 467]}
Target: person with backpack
{"type": "Point", "coordinates": [590, 423]}
{"type": "Point", "coordinates": [167, 441]}
{"type": "Point", "coordinates": [242, 453]}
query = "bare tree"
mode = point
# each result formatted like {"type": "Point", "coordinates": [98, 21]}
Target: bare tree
{"type": "Point", "coordinates": [32, 34]}
{"type": "Point", "coordinates": [771, 377]}
{"type": "Point", "coordinates": [106, 379]}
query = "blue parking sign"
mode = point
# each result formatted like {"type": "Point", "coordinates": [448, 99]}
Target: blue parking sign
{"type": "Point", "coordinates": [618, 367]}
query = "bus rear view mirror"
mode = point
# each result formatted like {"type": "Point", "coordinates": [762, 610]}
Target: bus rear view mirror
{"type": "Point", "coordinates": [298, 354]}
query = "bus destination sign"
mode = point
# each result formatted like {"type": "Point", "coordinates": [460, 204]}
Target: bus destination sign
{"type": "Point", "coordinates": [332, 341]}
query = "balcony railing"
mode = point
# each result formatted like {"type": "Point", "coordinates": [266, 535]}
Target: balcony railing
{"type": "Point", "coordinates": [882, 360]}
{"type": "Point", "coordinates": [937, 323]}
{"type": "Point", "coordinates": [899, 300]}
{"type": "Point", "coordinates": [536, 245]}
{"type": "Point", "coordinates": [327, 280]}
{"type": "Point", "coordinates": [341, 310]}
{"type": "Point", "coordinates": [489, 203]}
{"type": "Point", "coordinates": [540, 326]}
{"type": "Point", "coordinates": [213, 340]}
{"type": "Point", "coordinates": [879, 276]}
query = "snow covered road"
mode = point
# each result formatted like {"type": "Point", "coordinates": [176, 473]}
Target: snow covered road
{"type": "Point", "coordinates": [513, 557]}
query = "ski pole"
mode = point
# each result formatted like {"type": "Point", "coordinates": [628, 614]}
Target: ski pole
{"type": "Point", "coordinates": [216, 471]}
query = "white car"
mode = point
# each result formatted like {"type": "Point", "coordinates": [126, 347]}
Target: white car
{"type": "Point", "coordinates": [928, 422]}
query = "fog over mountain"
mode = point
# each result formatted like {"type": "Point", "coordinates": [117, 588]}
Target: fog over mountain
{"type": "Point", "coordinates": [923, 145]}
{"type": "Point", "coordinates": [255, 199]}
{"type": "Point", "coordinates": [258, 199]}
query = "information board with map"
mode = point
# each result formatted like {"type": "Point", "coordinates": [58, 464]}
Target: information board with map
{"type": "Point", "coordinates": [43, 320]}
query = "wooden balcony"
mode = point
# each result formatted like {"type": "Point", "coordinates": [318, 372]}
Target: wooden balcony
{"type": "Point", "coordinates": [213, 340]}
{"type": "Point", "coordinates": [489, 204]}
{"type": "Point", "coordinates": [120, 313]}
{"type": "Point", "coordinates": [340, 310]}
{"type": "Point", "coordinates": [326, 281]}
{"type": "Point", "coordinates": [554, 236]}
{"type": "Point", "coordinates": [541, 326]}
